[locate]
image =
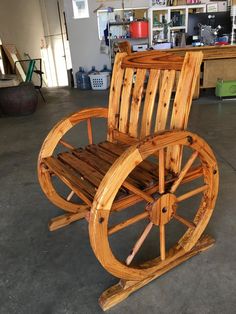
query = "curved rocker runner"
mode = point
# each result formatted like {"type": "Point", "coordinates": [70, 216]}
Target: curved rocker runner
{"type": "Point", "coordinates": [149, 178]}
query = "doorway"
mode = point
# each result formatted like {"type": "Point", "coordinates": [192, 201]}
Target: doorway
{"type": "Point", "coordinates": [55, 49]}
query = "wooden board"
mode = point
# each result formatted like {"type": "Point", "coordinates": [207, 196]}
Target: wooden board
{"type": "Point", "coordinates": [13, 56]}
{"type": "Point", "coordinates": [119, 292]}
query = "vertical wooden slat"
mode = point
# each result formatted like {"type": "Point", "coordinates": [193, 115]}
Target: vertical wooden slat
{"type": "Point", "coordinates": [160, 81]}
{"type": "Point", "coordinates": [136, 102]}
{"type": "Point", "coordinates": [186, 86]}
{"type": "Point", "coordinates": [164, 100]}
{"type": "Point", "coordinates": [90, 132]}
{"type": "Point", "coordinates": [115, 93]}
{"type": "Point", "coordinates": [125, 100]}
{"type": "Point", "coordinates": [149, 102]}
{"type": "Point", "coordinates": [182, 104]}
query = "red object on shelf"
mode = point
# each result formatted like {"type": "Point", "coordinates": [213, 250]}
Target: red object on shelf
{"type": "Point", "coordinates": [221, 43]}
{"type": "Point", "coordinates": [139, 29]}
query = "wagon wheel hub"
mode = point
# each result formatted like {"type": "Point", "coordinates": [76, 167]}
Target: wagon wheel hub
{"type": "Point", "coordinates": [163, 209]}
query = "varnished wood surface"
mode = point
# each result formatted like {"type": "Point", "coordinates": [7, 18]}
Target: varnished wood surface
{"type": "Point", "coordinates": [209, 52]}
{"type": "Point", "coordinates": [153, 60]}
{"type": "Point", "coordinates": [119, 292]}
{"type": "Point", "coordinates": [118, 173]}
{"type": "Point", "coordinates": [140, 162]}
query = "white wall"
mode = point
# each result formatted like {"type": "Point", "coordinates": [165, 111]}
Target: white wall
{"type": "Point", "coordinates": [21, 24]}
{"type": "Point", "coordinates": [83, 34]}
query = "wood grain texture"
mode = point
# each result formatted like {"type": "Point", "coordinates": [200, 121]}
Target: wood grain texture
{"type": "Point", "coordinates": [125, 100]}
{"type": "Point", "coordinates": [136, 102]}
{"type": "Point", "coordinates": [182, 104]}
{"type": "Point", "coordinates": [115, 94]}
{"type": "Point", "coordinates": [140, 162]}
{"type": "Point", "coordinates": [49, 145]}
{"type": "Point", "coordinates": [149, 102]}
{"type": "Point", "coordinates": [117, 174]}
{"type": "Point", "coordinates": [153, 60]}
{"type": "Point", "coordinates": [166, 89]}
{"type": "Point", "coordinates": [119, 292]}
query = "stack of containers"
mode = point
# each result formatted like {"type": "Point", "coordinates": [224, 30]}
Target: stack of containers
{"type": "Point", "coordinates": [97, 80]}
{"type": "Point", "coordinates": [100, 80]}
{"type": "Point", "coordinates": [82, 79]}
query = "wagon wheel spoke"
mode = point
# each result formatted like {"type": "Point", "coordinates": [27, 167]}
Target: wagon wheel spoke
{"type": "Point", "coordinates": [162, 171]}
{"type": "Point", "coordinates": [139, 192]}
{"type": "Point", "coordinates": [192, 193]}
{"type": "Point", "coordinates": [71, 194]}
{"type": "Point", "coordinates": [162, 242]}
{"type": "Point", "coordinates": [139, 243]}
{"type": "Point", "coordinates": [90, 131]}
{"type": "Point", "coordinates": [185, 221]}
{"type": "Point", "coordinates": [90, 136]}
{"type": "Point", "coordinates": [66, 144]}
{"type": "Point", "coordinates": [184, 172]}
{"type": "Point", "coordinates": [127, 223]}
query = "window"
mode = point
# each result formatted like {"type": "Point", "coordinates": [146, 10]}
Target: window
{"type": "Point", "coordinates": [80, 9]}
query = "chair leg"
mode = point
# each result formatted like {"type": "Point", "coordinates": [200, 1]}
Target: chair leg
{"type": "Point", "coordinates": [123, 289]}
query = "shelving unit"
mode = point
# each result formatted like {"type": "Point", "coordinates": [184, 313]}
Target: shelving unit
{"type": "Point", "coordinates": [118, 29]}
{"type": "Point", "coordinates": [177, 14]}
{"type": "Point", "coordinates": [233, 15]}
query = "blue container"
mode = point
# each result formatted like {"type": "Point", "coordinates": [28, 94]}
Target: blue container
{"type": "Point", "coordinates": [82, 80]}
{"type": "Point", "coordinates": [105, 69]}
{"type": "Point", "coordinates": [93, 70]}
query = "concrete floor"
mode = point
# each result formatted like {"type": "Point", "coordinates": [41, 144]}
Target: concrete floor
{"type": "Point", "coordinates": [54, 273]}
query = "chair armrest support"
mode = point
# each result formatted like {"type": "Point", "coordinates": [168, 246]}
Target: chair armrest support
{"type": "Point", "coordinates": [61, 128]}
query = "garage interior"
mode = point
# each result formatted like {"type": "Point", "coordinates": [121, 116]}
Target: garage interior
{"type": "Point", "coordinates": [57, 272]}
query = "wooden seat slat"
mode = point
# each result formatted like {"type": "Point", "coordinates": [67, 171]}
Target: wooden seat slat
{"type": "Point", "coordinates": [137, 174]}
{"type": "Point", "coordinates": [82, 188]}
{"type": "Point", "coordinates": [88, 172]}
{"type": "Point", "coordinates": [140, 171]}
{"type": "Point", "coordinates": [99, 164]}
{"type": "Point", "coordinates": [146, 166]}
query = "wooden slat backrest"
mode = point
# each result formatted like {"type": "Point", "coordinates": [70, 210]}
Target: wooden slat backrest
{"type": "Point", "coordinates": [115, 93]}
{"type": "Point", "coordinates": [136, 81]}
{"type": "Point", "coordinates": [125, 100]}
{"type": "Point", "coordinates": [182, 103]}
{"type": "Point", "coordinates": [136, 102]}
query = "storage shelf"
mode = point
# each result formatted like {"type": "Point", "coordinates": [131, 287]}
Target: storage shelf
{"type": "Point", "coordinates": [157, 11]}
{"type": "Point", "coordinates": [119, 23]}
{"type": "Point", "coordinates": [157, 28]}
{"type": "Point", "coordinates": [177, 27]}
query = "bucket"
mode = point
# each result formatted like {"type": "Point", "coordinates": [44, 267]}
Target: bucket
{"type": "Point", "coordinates": [139, 29]}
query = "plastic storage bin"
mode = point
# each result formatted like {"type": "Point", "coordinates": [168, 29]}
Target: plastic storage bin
{"type": "Point", "coordinates": [225, 88]}
{"type": "Point", "coordinates": [139, 29]}
{"type": "Point", "coordinates": [100, 81]}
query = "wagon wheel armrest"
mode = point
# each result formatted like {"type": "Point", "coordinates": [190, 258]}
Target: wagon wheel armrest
{"type": "Point", "coordinates": [61, 128]}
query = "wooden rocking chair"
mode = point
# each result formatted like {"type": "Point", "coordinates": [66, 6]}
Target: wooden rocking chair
{"type": "Point", "coordinates": [140, 162]}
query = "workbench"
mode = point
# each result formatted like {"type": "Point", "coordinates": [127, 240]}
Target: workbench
{"type": "Point", "coordinates": [219, 62]}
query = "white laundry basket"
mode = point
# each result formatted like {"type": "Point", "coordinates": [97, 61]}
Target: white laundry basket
{"type": "Point", "coordinates": [100, 81]}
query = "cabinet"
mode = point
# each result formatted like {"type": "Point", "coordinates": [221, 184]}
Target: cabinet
{"type": "Point", "coordinates": [176, 15]}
